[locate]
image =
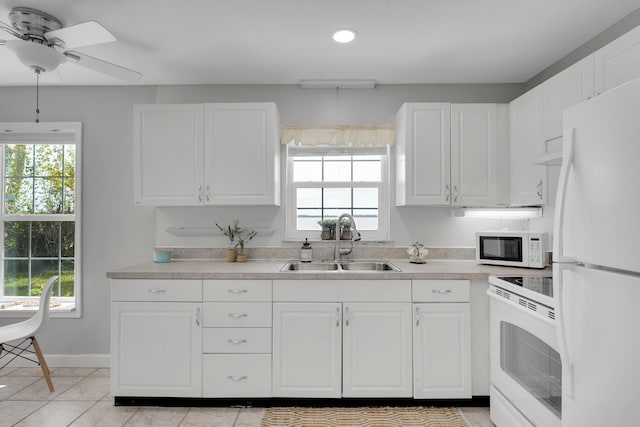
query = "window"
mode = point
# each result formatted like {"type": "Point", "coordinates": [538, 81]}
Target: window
{"type": "Point", "coordinates": [326, 182]}
{"type": "Point", "coordinates": [40, 218]}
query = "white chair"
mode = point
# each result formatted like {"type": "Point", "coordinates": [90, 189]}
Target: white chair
{"type": "Point", "coordinates": [26, 331]}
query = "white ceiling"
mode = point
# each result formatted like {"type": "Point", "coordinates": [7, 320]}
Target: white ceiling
{"type": "Point", "coordinates": [284, 41]}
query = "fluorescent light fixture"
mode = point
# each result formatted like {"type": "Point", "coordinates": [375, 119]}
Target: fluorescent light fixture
{"type": "Point", "coordinates": [344, 36]}
{"type": "Point", "coordinates": [499, 213]}
{"type": "Point", "coordinates": [341, 84]}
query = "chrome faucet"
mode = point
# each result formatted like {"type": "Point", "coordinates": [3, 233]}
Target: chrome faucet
{"type": "Point", "coordinates": [338, 252]}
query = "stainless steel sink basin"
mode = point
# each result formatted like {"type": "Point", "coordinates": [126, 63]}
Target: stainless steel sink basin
{"type": "Point", "coordinates": [369, 266]}
{"type": "Point", "coordinates": [310, 266]}
{"type": "Point", "coordinates": [360, 266]}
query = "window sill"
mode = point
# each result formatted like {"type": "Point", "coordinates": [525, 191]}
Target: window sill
{"type": "Point", "coordinates": [63, 310]}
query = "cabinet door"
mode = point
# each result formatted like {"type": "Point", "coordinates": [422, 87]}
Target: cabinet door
{"type": "Point", "coordinates": [527, 181]}
{"type": "Point", "coordinates": [423, 154]}
{"type": "Point", "coordinates": [307, 349]}
{"type": "Point", "coordinates": [167, 156]}
{"type": "Point", "coordinates": [242, 154]}
{"type": "Point", "coordinates": [567, 88]}
{"type": "Point", "coordinates": [377, 350]}
{"type": "Point", "coordinates": [156, 349]}
{"type": "Point", "coordinates": [473, 155]}
{"type": "Point", "coordinates": [442, 351]}
{"type": "Point", "coordinates": [618, 62]}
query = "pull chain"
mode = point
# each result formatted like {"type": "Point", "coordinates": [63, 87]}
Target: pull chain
{"type": "Point", "coordinates": [37, 96]}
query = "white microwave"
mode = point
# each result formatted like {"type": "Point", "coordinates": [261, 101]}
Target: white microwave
{"type": "Point", "coordinates": [512, 248]}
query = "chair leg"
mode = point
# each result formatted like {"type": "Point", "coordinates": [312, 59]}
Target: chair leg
{"type": "Point", "coordinates": [43, 363]}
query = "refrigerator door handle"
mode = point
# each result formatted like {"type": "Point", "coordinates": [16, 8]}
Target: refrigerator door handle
{"type": "Point", "coordinates": [567, 388]}
{"type": "Point", "coordinates": [567, 160]}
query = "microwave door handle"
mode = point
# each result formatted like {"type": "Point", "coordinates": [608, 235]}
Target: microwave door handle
{"type": "Point", "coordinates": [558, 220]}
{"type": "Point", "coordinates": [561, 334]}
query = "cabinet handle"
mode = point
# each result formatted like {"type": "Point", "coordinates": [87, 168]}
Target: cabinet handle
{"type": "Point", "coordinates": [237, 378]}
{"type": "Point", "coordinates": [539, 188]}
{"type": "Point", "coordinates": [447, 192]}
{"type": "Point", "coordinates": [156, 291]}
{"type": "Point", "coordinates": [417, 316]}
{"type": "Point", "coordinates": [198, 316]}
{"type": "Point", "coordinates": [200, 193]}
{"type": "Point", "coordinates": [238, 315]}
{"type": "Point", "coordinates": [337, 316]}
{"type": "Point", "coordinates": [236, 341]}
{"type": "Point", "coordinates": [207, 193]}
{"type": "Point", "coordinates": [440, 291]}
{"type": "Point", "coordinates": [237, 291]}
{"type": "Point", "coordinates": [455, 194]}
{"type": "Point", "coordinates": [346, 316]}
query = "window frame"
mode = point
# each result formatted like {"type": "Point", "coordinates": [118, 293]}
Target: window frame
{"type": "Point", "coordinates": [293, 234]}
{"type": "Point", "coordinates": [15, 133]}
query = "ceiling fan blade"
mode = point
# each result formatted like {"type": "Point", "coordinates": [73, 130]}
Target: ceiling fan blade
{"type": "Point", "coordinates": [84, 34]}
{"type": "Point", "coordinates": [101, 66]}
{"type": "Point", "coordinates": [9, 29]}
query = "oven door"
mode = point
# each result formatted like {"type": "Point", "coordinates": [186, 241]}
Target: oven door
{"type": "Point", "coordinates": [525, 363]}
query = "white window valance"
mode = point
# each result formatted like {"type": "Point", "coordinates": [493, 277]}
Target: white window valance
{"type": "Point", "coordinates": [345, 136]}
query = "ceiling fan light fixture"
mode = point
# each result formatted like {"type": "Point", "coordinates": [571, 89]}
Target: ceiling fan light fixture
{"type": "Point", "coordinates": [35, 55]}
{"type": "Point", "coordinates": [344, 36]}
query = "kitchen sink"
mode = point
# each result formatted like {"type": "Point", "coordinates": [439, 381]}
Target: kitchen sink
{"type": "Point", "coordinates": [310, 266]}
{"type": "Point", "coordinates": [355, 266]}
{"type": "Point", "coordinates": [369, 266]}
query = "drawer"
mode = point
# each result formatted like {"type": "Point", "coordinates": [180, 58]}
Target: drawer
{"type": "Point", "coordinates": [237, 290]}
{"type": "Point", "coordinates": [236, 340]}
{"type": "Point", "coordinates": [237, 314]}
{"type": "Point", "coordinates": [342, 290]}
{"type": "Point", "coordinates": [440, 291]}
{"type": "Point", "coordinates": [236, 375]}
{"type": "Point", "coordinates": [156, 290]}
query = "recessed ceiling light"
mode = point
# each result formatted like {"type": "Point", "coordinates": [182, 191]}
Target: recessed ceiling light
{"type": "Point", "coordinates": [344, 36]}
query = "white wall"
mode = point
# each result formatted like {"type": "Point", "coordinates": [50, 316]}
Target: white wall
{"type": "Point", "coordinates": [116, 234]}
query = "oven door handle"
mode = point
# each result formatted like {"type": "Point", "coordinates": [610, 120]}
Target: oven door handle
{"type": "Point", "coordinates": [561, 334]}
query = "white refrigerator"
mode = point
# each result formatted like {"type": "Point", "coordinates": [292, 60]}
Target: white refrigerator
{"type": "Point", "coordinates": [596, 253]}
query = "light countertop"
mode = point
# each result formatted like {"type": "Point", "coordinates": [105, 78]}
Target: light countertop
{"type": "Point", "coordinates": [270, 269]}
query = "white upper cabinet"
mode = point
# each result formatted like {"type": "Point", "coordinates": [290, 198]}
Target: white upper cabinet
{"type": "Point", "coordinates": [617, 62]}
{"type": "Point", "coordinates": [527, 181]}
{"type": "Point", "coordinates": [446, 155]}
{"type": "Point", "coordinates": [168, 145]}
{"type": "Point", "coordinates": [473, 155]}
{"type": "Point", "coordinates": [569, 87]}
{"type": "Point", "coordinates": [207, 154]}
{"type": "Point", "coordinates": [242, 154]}
{"type": "Point", "coordinates": [423, 154]}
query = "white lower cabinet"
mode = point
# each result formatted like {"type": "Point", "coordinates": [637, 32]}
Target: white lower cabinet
{"type": "Point", "coordinates": [441, 339]}
{"type": "Point", "coordinates": [156, 349]}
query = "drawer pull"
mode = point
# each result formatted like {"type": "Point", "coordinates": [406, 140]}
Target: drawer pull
{"type": "Point", "coordinates": [441, 291]}
{"type": "Point", "coordinates": [237, 291]}
{"type": "Point", "coordinates": [156, 291]}
{"type": "Point", "coordinates": [236, 341]}
{"type": "Point", "coordinates": [238, 315]}
{"type": "Point", "coordinates": [237, 378]}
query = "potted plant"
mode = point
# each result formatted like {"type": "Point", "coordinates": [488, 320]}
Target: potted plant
{"type": "Point", "coordinates": [243, 238]}
{"type": "Point", "coordinates": [345, 229]}
{"type": "Point", "coordinates": [231, 232]}
{"type": "Point", "coordinates": [328, 228]}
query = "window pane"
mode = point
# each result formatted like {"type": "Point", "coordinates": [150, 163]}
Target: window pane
{"type": "Point", "coordinates": [18, 160]}
{"type": "Point", "coordinates": [69, 202]}
{"type": "Point", "coordinates": [66, 278]}
{"type": "Point", "coordinates": [335, 170]}
{"type": "Point", "coordinates": [18, 195]}
{"type": "Point", "coordinates": [47, 197]}
{"type": "Point", "coordinates": [367, 170]}
{"type": "Point", "coordinates": [69, 160]}
{"type": "Point", "coordinates": [16, 239]}
{"type": "Point", "coordinates": [41, 271]}
{"type": "Point", "coordinates": [45, 239]}
{"type": "Point", "coordinates": [309, 197]}
{"type": "Point", "coordinates": [365, 197]}
{"type": "Point", "coordinates": [68, 233]}
{"type": "Point", "coordinates": [366, 219]}
{"type": "Point", "coordinates": [48, 160]}
{"type": "Point", "coordinates": [308, 219]}
{"type": "Point", "coordinates": [16, 278]}
{"type": "Point", "coordinates": [337, 198]}
{"type": "Point", "coordinates": [307, 170]}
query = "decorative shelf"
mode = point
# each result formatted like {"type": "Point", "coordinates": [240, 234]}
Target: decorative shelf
{"type": "Point", "coordinates": [550, 159]}
{"type": "Point", "coordinates": [197, 230]}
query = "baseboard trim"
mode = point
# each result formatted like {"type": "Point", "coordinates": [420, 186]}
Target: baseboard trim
{"type": "Point", "coordinates": [476, 401]}
{"type": "Point", "coordinates": [68, 361]}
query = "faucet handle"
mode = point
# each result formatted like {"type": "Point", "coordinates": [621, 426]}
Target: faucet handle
{"type": "Point", "coordinates": [357, 236]}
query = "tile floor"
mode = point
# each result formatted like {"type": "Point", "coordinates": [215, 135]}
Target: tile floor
{"type": "Point", "coordinates": [81, 398]}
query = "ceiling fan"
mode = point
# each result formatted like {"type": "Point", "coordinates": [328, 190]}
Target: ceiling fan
{"type": "Point", "coordinates": [42, 43]}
